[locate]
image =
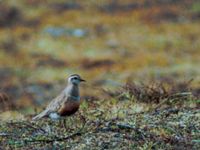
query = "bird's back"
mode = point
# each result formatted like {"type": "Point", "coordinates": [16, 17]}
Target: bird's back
{"type": "Point", "coordinates": [53, 106]}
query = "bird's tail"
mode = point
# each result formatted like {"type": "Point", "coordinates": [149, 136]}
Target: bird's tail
{"type": "Point", "coordinates": [41, 115]}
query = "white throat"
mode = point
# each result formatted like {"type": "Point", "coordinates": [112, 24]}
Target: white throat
{"type": "Point", "coordinates": [72, 91]}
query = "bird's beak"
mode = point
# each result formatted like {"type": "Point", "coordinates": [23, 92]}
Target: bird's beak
{"type": "Point", "coordinates": [82, 80]}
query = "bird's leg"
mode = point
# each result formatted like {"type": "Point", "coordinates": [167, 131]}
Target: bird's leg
{"type": "Point", "coordinates": [64, 123]}
{"type": "Point", "coordinates": [60, 123]}
{"type": "Point", "coordinates": [56, 118]}
{"type": "Point", "coordinates": [48, 127]}
{"type": "Point", "coordinates": [83, 119]}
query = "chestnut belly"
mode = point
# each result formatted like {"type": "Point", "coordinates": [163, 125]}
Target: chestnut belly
{"type": "Point", "coordinates": [69, 108]}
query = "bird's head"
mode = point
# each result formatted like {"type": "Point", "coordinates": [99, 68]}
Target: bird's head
{"type": "Point", "coordinates": [75, 79]}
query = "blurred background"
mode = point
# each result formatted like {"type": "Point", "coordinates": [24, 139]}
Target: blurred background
{"type": "Point", "coordinates": [107, 42]}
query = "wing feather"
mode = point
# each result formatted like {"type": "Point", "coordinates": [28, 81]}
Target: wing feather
{"type": "Point", "coordinates": [53, 106]}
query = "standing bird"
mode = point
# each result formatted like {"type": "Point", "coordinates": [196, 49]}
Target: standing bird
{"type": "Point", "coordinates": [65, 104]}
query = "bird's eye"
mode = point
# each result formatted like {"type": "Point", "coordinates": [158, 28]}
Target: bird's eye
{"type": "Point", "coordinates": [75, 78]}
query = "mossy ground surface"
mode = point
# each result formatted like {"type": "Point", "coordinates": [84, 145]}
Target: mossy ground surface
{"type": "Point", "coordinates": [111, 124]}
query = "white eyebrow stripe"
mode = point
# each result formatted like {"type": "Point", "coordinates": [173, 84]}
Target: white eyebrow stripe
{"type": "Point", "coordinates": [74, 75]}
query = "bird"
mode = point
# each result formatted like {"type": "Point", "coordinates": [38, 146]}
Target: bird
{"type": "Point", "coordinates": [66, 103]}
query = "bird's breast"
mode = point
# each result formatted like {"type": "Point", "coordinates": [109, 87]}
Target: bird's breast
{"type": "Point", "coordinates": [69, 108]}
